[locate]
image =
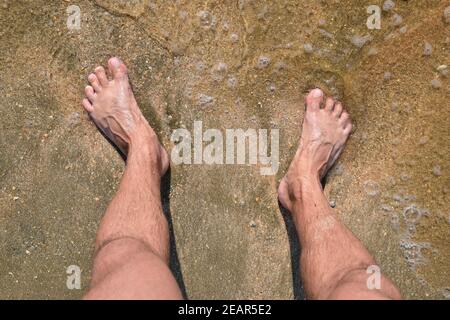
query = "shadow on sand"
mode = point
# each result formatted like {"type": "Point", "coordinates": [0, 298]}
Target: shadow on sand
{"type": "Point", "coordinates": [295, 250]}
{"type": "Point", "coordinates": [175, 266]}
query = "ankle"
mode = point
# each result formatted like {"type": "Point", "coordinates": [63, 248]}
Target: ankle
{"type": "Point", "coordinates": [308, 171]}
{"type": "Point", "coordinates": [299, 185]}
{"type": "Point", "coordinates": [142, 135]}
{"type": "Point", "coordinates": [143, 140]}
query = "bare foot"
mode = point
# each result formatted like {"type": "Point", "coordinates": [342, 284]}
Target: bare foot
{"type": "Point", "coordinates": [326, 127]}
{"type": "Point", "coordinates": [113, 108]}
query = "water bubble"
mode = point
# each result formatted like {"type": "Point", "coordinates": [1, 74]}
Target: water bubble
{"type": "Point", "coordinates": [446, 293]}
{"type": "Point", "coordinates": [225, 26]}
{"type": "Point", "coordinates": [74, 118]}
{"type": "Point", "coordinates": [405, 177]}
{"type": "Point", "coordinates": [409, 197]}
{"type": "Point", "coordinates": [447, 14]}
{"type": "Point", "coordinates": [387, 208]}
{"type": "Point", "coordinates": [232, 81]}
{"type": "Point", "coordinates": [443, 70]}
{"type": "Point", "coordinates": [436, 83]}
{"type": "Point", "coordinates": [28, 123]}
{"type": "Point", "coordinates": [403, 29]}
{"type": "Point", "coordinates": [423, 140]}
{"type": "Point", "coordinates": [360, 41]}
{"type": "Point", "coordinates": [397, 20]}
{"type": "Point", "coordinates": [387, 76]}
{"type": "Point", "coordinates": [395, 222]}
{"type": "Point", "coordinates": [204, 16]}
{"type": "Point", "coordinates": [308, 48]}
{"type": "Point", "coordinates": [262, 62]}
{"type": "Point", "coordinates": [188, 91]}
{"type": "Point", "coordinates": [177, 61]}
{"type": "Point", "coordinates": [413, 252]}
{"type": "Point", "coordinates": [177, 49]}
{"type": "Point", "coordinates": [389, 36]}
{"type": "Point", "coordinates": [183, 15]}
{"type": "Point", "coordinates": [437, 171]}
{"type": "Point", "coordinates": [391, 181]}
{"type": "Point", "coordinates": [271, 87]}
{"type": "Point", "coordinates": [153, 7]}
{"type": "Point", "coordinates": [327, 34]}
{"type": "Point", "coordinates": [394, 106]}
{"type": "Point", "coordinates": [428, 49]}
{"type": "Point", "coordinates": [242, 4]}
{"type": "Point", "coordinates": [372, 188]}
{"type": "Point", "coordinates": [388, 5]}
{"type": "Point", "coordinates": [280, 66]}
{"type": "Point", "coordinates": [412, 214]}
{"type": "Point", "coordinates": [372, 51]}
{"type": "Point", "coordinates": [219, 71]}
{"type": "Point", "coordinates": [221, 66]}
{"type": "Point", "coordinates": [234, 37]}
{"type": "Point", "coordinates": [262, 14]}
{"type": "Point", "coordinates": [206, 20]}
{"type": "Point", "coordinates": [200, 66]}
{"type": "Point", "coordinates": [205, 100]}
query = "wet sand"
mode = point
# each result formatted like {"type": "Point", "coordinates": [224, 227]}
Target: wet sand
{"type": "Point", "coordinates": [244, 64]}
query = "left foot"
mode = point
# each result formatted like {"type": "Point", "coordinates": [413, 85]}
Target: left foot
{"type": "Point", "coordinates": [326, 128]}
{"type": "Point", "coordinates": [113, 108]}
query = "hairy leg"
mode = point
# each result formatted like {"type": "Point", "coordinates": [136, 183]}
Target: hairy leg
{"type": "Point", "coordinates": [334, 262]}
{"type": "Point", "coordinates": [132, 246]}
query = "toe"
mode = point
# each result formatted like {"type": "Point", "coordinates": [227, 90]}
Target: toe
{"type": "Point", "coordinates": [117, 68]}
{"type": "Point", "coordinates": [338, 109]}
{"type": "Point", "coordinates": [93, 80]}
{"type": "Point", "coordinates": [329, 104]}
{"type": "Point", "coordinates": [314, 99]}
{"type": "Point", "coordinates": [101, 76]}
{"type": "Point", "coordinates": [344, 118]}
{"type": "Point", "coordinates": [348, 128]}
{"type": "Point", "coordinates": [87, 105]}
{"type": "Point", "coordinates": [89, 91]}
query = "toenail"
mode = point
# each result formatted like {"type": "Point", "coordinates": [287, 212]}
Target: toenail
{"type": "Point", "coordinates": [115, 62]}
{"type": "Point", "coordinates": [316, 93]}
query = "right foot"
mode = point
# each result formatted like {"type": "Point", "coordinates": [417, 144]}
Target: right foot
{"type": "Point", "coordinates": [113, 108]}
{"type": "Point", "coordinates": [326, 128]}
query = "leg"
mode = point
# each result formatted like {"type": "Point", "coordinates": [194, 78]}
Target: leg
{"type": "Point", "coordinates": [132, 246]}
{"type": "Point", "coordinates": [333, 260]}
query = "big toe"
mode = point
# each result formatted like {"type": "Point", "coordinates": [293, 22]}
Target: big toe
{"type": "Point", "coordinates": [314, 99]}
{"type": "Point", "coordinates": [117, 68]}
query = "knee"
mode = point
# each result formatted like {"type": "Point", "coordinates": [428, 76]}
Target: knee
{"type": "Point", "coordinates": [115, 253]}
{"type": "Point", "coordinates": [127, 268]}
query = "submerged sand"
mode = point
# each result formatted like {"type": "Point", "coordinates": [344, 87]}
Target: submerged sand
{"type": "Point", "coordinates": [234, 64]}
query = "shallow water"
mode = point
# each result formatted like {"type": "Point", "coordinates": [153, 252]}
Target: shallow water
{"type": "Point", "coordinates": [234, 64]}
